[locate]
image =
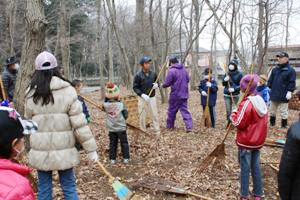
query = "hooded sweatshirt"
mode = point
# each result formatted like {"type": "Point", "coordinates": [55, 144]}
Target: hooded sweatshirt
{"type": "Point", "coordinates": [178, 79]}
{"type": "Point", "coordinates": [251, 120]}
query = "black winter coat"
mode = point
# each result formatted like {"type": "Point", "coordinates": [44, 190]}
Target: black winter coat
{"type": "Point", "coordinates": [282, 80]}
{"type": "Point", "coordinates": [289, 170]}
{"type": "Point", "coordinates": [213, 92]}
{"type": "Point", "coordinates": [143, 83]}
{"type": "Point", "coordinates": [234, 80]}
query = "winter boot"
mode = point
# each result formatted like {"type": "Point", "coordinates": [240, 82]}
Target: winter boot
{"type": "Point", "coordinates": [284, 123]}
{"type": "Point", "coordinates": [272, 121]}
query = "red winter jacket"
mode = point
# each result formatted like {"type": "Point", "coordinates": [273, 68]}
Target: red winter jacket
{"type": "Point", "coordinates": [251, 120]}
{"type": "Point", "coordinates": [13, 184]}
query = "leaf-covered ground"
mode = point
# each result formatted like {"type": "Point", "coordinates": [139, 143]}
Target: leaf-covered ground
{"type": "Point", "coordinates": [174, 156]}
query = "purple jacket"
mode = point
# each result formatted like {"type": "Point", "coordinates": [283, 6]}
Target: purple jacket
{"type": "Point", "coordinates": [178, 79]}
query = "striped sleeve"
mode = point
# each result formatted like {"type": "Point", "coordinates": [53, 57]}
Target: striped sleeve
{"type": "Point", "coordinates": [240, 119]}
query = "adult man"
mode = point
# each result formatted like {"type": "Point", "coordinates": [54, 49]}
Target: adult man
{"type": "Point", "coordinates": [144, 82]}
{"type": "Point", "coordinates": [178, 79]}
{"type": "Point", "coordinates": [282, 83]}
{"type": "Point", "coordinates": [231, 83]}
{"type": "Point", "coordinates": [9, 76]}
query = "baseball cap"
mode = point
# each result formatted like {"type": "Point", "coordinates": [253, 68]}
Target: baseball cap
{"type": "Point", "coordinates": [145, 59]}
{"type": "Point", "coordinates": [45, 61]}
{"type": "Point", "coordinates": [282, 54]}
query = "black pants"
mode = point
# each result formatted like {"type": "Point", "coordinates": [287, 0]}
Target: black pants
{"type": "Point", "coordinates": [212, 115]}
{"type": "Point", "coordinates": [113, 144]}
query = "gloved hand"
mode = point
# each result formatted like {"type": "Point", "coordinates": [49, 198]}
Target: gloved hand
{"type": "Point", "coordinates": [155, 86]}
{"type": "Point", "coordinates": [231, 90]}
{"type": "Point", "coordinates": [204, 93]}
{"type": "Point", "coordinates": [88, 119]}
{"type": "Point", "coordinates": [208, 84]}
{"type": "Point", "coordinates": [145, 97]}
{"type": "Point", "coordinates": [93, 156]}
{"type": "Point", "coordinates": [288, 95]}
{"type": "Point", "coordinates": [226, 78]}
{"type": "Point", "coordinates": [234, 108]}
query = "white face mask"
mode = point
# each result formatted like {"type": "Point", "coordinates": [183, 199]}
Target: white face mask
{"type": "Point", "coordinates": [231, 67]}
{"type": "Point", "coordinates": [205, 76]}
{"type": "Point", "coordinates": [16, 66]}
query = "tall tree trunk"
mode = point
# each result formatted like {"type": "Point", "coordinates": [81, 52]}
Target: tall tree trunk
{"type": "Point", "coordinates": [11, 20]}
{"type": "Point", "coordinates": [139, 30]}
{"type": "Point", "coordinates": [112, 12]}
{"type": "Point", "coordinates": [64, 39]}
{"type": "Point", "coordinates": [100, 64]}
{"type": "Point", "coordinates": [195, 53]}
{"type": "Point", "coordinates": [260, 36]}
{"type": "Point", "coordinates": [231, 31]}
{"type": "Point", "coordinates": [289, 5]}
{"type": "Point", "coordinates": [110, 53]}
{"type": "Point", "coordinates": [33, 45]}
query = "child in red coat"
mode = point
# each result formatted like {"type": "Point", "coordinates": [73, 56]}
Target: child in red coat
{"type": "Point", "coordinates": [13, 184]}
{"type": "Point", "coordinates": [250, 118]}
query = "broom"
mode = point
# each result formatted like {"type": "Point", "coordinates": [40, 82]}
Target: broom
{"type": "Point", "coordinates": [121, 190]}
{"type": "Point", "coordinates": [206, 116]}
{"type": "Point", "coordinates": [219, 151]}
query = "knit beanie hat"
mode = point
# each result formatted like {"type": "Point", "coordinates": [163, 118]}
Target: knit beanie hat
{"type": "Point", "coordinates": [263, 78]}
{"type": "Point", "coordinates": [246, 80]}
{"type": "Point", "coordinates": [45, 61]}
{"type": "Point", "coordinates": [112, 91]}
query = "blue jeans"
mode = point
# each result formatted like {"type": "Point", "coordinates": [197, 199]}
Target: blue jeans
{"type": "Point", "coordinates": [250, 161]}
{"type": "Point", "coordinates": [67, 182]}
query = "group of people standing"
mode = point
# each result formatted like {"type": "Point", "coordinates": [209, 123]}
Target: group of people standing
{"type": "Point", "coordinates": [60, 121]}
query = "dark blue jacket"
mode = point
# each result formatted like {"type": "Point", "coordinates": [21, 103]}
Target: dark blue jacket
{"type": "Point", "coordinates": [234, 80]}
{"type": "Point", "coordinates": [84, 108]}
{"type": "Point", "coordinates": [281, 80]}
{"type": "Point", "coordinates": [142, 83]}
{"type": "Point", "coordinates": [213, 92]}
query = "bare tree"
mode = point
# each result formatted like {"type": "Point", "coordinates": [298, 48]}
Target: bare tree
{"type": "Point", "coordinates": [11, 20]}
{"type": "Point", "coordinates": [33, 45]}
{"type": "Point", "coordinates": [64, 38]}
{"type": "Point", "coordinates": [260, 58]}
{"type": "Point", "coordinates": [99, 60]}
{"type": "Point", "coordinates": [112, 12]}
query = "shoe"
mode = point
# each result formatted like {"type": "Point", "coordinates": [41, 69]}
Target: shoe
{"type": "Point", "coordinates": [126, 161]}
{"type": "Point", "coordinates": [244, 198]}
{"type": "Point", "coordinates": [272, 121]}
{"type": "Point", "coordinates": [284, 123]}
{"type": "Point", "coordinates": [257, 198]}
{"type": "Point", "coordinates": [189, 130]}
{"type": "Point", "coordinates": [112, 162]}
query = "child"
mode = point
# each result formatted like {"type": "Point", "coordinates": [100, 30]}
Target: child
{"type": "Point", "coordinates": [263, 90]}
{"type": "Point", "coordinates": [251, 120]}
{"type": "Point", "coordinates": [13, 184]}
{"type": "Point", "coordinates": [77, 84]}
{"type": "Point", "coordinates": [206, 83]}
{"type": "Point", "coordinates": [116, 115]}
{"type": "Point", "coordinates": [53, 103]}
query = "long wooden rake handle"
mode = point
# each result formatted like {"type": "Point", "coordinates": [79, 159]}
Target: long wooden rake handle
{"type": "Point", "coordinates": [2, 89]}
{"type": "Point", "coordinates": [107, 173]}
{"type": "Point", "coordinates": [101, 109]}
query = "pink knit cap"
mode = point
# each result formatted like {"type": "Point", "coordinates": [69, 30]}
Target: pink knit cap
{"type": "Point", "coordinates": [246, 80]}
{"type": "Point", "coordinates": [45, 61]}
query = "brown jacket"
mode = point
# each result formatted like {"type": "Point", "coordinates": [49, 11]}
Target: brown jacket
{"type": "Point", "coordinates": [53, 146]}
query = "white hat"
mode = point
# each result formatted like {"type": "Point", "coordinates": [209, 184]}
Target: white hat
{"type": "Point", "coordinates": [45, 61]}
